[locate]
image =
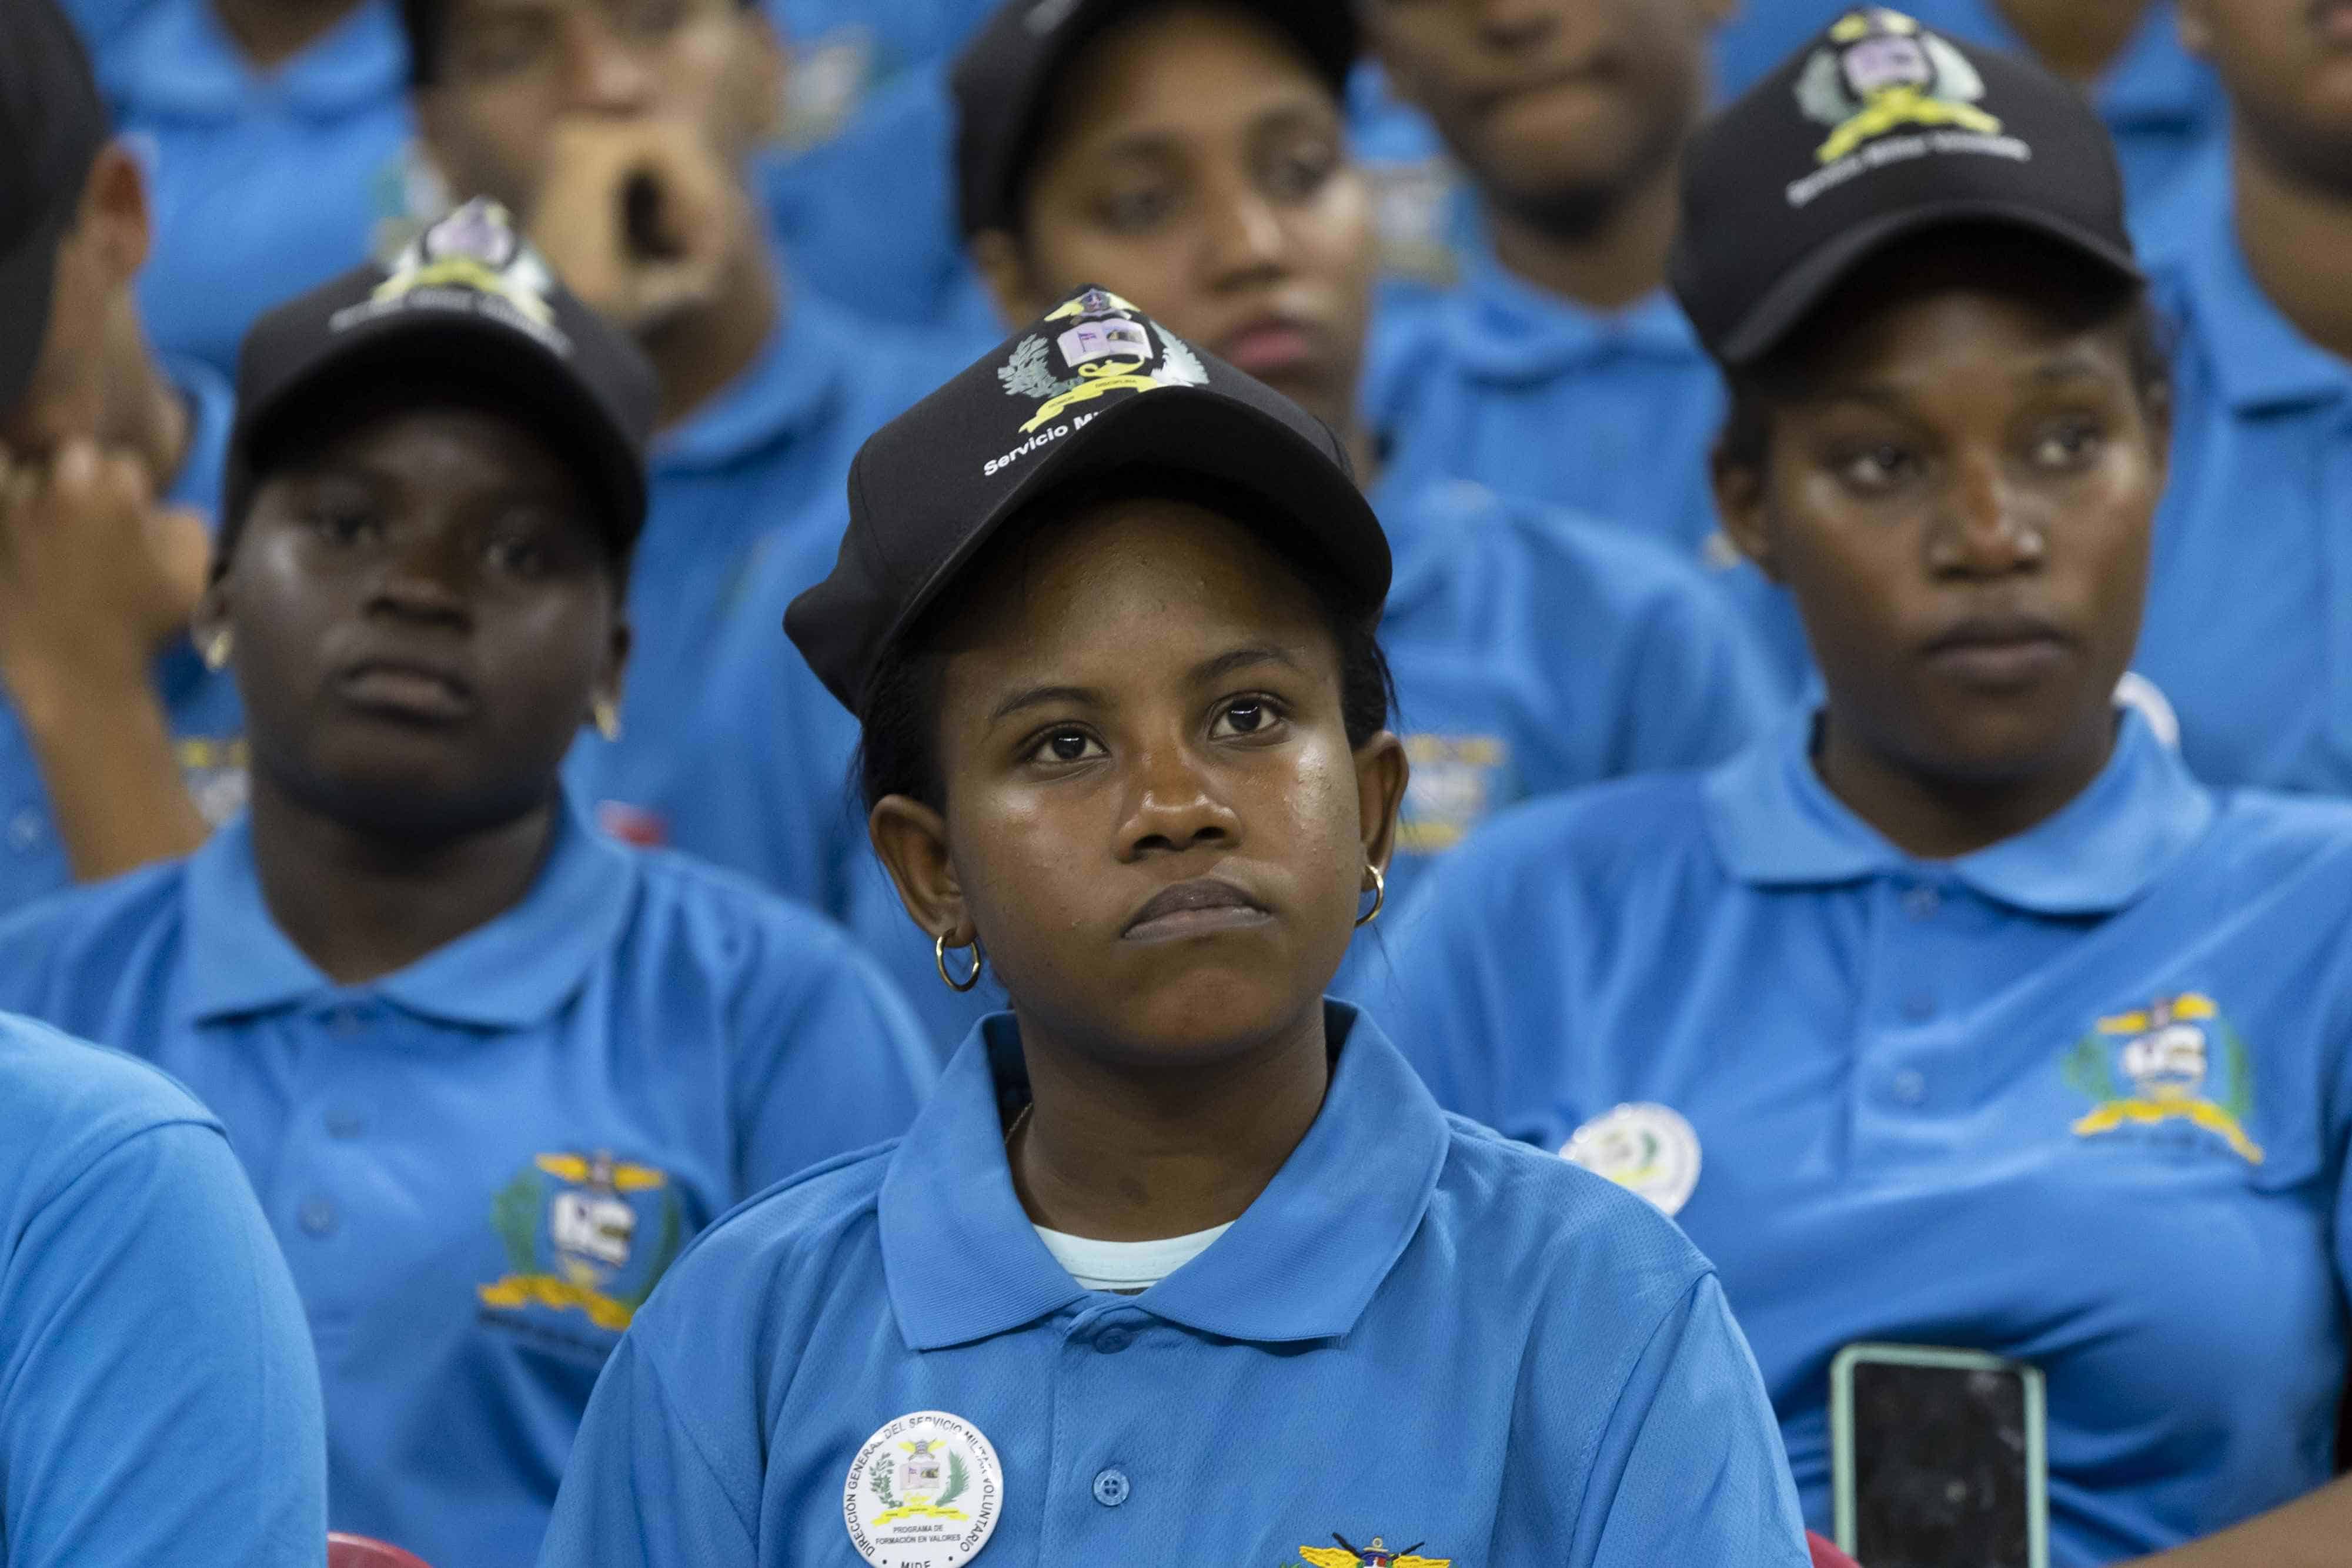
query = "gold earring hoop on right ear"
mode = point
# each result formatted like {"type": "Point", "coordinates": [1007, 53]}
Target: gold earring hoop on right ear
{"type": "Point", "coordinates": [940, 954]}
{"type": "Point", "coordinates": [216, 649]}
{"type": "Point", "coordinates": [1380, 896]}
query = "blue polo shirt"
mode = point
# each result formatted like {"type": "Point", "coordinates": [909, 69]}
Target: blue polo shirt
{"type": "Point", "coordinates": [200, 705]}
{"type": "Point", "coordinates": [2251, 534]}
{"type": "Point", "coordinates": [1330, 1365]}
{"type": "Point", "coordinates": [1611, 416]}
{"type": "Point", "coordinates": [2160, 103]}
{"type": "Point", "coordinates": [1533, 652]}
{"type": "Point", "coordinates": [763, 464]}
{"type": "Point", "coordinates": [261, 185]}
{"type": "Point", "coordinates": [480, 1164]}
{"type": "Point", "coordinates": [2081, 1098]}
{"type": "Point", "coordinates": [162, 1405]}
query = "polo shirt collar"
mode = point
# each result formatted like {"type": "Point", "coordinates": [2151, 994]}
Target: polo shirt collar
{"type": "Point", "coordinates": [212, 406]}
{"type": "Point", "coordinates": [510, 973]}
{"type": "Point", "coordinates": [963, 1262]}
{"type": "Point", "coordinates": [790, 388]}
{"type": "Point", "coordinates": [2156, 82]}
{"type": "Point", "coordinates": [1776, 825]}
{"type": "Point", "coordinates": [2257, 357]}
{"type": "Point", "coordinates": [180, 60]}
{"type": "Point", "coordinates": [1499, 327]}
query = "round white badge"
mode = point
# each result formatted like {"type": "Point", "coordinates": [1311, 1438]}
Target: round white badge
{"type": "Point", "coordinates": [924, 1492]}
{"type": "Point", "coordinates": [1645, 1148]}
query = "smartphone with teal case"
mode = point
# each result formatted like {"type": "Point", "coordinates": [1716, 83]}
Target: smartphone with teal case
{"type": "Point", "coordinates": [1940, 1458]}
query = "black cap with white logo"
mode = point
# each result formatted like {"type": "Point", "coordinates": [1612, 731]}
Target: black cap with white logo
{"type": "Point", "coordinates": [52, 125]}
{"type": "Point", "coordinates": [1007, 77]}
{"type": "Point", "coordinates": [1094, 389]}
{"type": "Point", "coordinates": [1877, 130]}
{"type": "Point", "coordinates": [468, 313]}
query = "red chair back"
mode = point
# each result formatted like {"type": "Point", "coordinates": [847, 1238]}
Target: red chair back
{"type": "Point", "coordinates": [359, 1552]}
{"type": "Point", "coordinates": [1824, 1554]}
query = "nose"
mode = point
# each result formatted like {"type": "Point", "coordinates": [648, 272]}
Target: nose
{"type": "Point", "coordinates": [1508, 25]}
{"type": "Point", "coordinates": [1247, 242]}
{"type": "Point", "coordinates": [602, 73]}
{"type": "Point", "coordinates": [429, 581]}
{"type": "Point", "coordinates": [1983, 527]}
{"type": "Point", "coordinates": [1174, 806]}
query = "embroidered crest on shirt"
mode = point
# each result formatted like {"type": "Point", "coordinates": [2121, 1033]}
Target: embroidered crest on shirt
{"type": "Point", "coordinates": [214, 770]}
{"type": "Point", "coordinates": [584, 1233]}
{"type": "Point", "coordinates": [1108, 347]}
{"type": "Point", "coordinates": [1455, 785]}
{"type": "Point", "coordinates": [1881, 73]}
{"type": "Point", "coordinates": [2165, 1054]}
{"type": "Point", "coordinates": [1379, 1554]}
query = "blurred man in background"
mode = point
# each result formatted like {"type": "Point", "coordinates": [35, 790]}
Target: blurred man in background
{"type": "Point", "coordinates": [622, 135]}
{"type": "Point", "coordinates": [115, 740]}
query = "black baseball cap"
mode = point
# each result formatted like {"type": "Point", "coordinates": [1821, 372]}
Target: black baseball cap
{"type": "Point", "coordinates": [1005, 81]}
{"type": "Point", "coordinates": [1878, 130]}
{"type": "Point", "coordinates": [1093, 389]}
{"type": "Point", "coordinates": [52, 125]}
{"type": "Point", "coordinates": [468, 312]}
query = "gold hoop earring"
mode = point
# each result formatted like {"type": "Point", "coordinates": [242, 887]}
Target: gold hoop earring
{"type": "Point", "coordinates": [940, 956]}
{"type": "Point", "coordinates": [1380, 896]}
{"type": "Point", "coordinates": [216, 649]}
{"type": "Point", "coordinates": [606, 717]}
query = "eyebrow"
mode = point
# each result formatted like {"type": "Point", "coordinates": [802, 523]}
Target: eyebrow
{"type": "Point", "coordinates": [1201, 674]}
{"type": "Point", "coordinates": [2072, 366]}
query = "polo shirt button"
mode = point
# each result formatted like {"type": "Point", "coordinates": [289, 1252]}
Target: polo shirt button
{"type": "Point", "coordinates": [1919, 1007]}
{"type": "Point", "coordinates": [1910, 1086]}
{"type": "Point", "coordinates": [1110, 1342]}
{"type": "Point", "coordinates": [1921, 903]}
{"type": "Point", "coordinates": [1111, 1487]}
{"type": "Point", "coordinates": [25, 829]}
{"type": "Point", "coordinates": [345, 1124]}
{"type": "Point", "coordinates": [317, 1216]}
{"type": "Point", "coordinates": [347, 1021]}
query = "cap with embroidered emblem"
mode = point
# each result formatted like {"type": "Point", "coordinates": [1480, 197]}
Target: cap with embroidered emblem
{"type": "Point", "coordinates": [1878, 129]}
{"type": "Point", "coordinates": [467, 312]}
{"type": "Point", "coordinates": [1093, 387]}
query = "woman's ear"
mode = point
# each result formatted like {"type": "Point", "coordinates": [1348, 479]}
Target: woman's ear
{"type": "Point", "coordinates": [912, 840]}
{"type": "Point", "coordinates": [1741, 506]}
{"type": "Point", "coordinates": [1382, 772]}
{"type": "Point", "coordinates": [996, 254]}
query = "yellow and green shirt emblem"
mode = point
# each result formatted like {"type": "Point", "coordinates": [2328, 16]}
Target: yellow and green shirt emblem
{"type": "Point", "coordinates": [2155, 1064]}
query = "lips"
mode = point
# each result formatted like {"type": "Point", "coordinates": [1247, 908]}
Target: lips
{"type": "Point", "coordinates": [2000, 651]}
{"type": "Point", "coordinates": [410, 689]}
{"type": "Point", "coordinates": [1203, 907]}
{"type": "Point", "coordinates": [1271, 347]}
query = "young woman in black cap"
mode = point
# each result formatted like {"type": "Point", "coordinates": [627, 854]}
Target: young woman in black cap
{"type": "Point", "coordinates": [1958, 1015]}
{"type": "Point", "coordinates": [1180, 1262]}
{"type": "Point", "coordinates": [487, 1070]}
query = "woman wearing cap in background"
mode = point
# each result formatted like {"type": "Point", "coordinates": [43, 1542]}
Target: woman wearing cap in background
{"type": "Point", "coordinates": [487, 1070]}
{"type": "Point", "coordinates": [1181, 1261]}
{"type": "Point", "coordinates": [1533, 649]}
{"type": "Point", "coordinates": [1958, 1014]}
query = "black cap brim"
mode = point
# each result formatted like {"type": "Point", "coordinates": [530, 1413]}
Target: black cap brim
{"type": "Point", "coordinates": [1191, 432]}
{"type": "Point", "coordinates": [1811, 282]}
{"type": "Point", "coordinates": [462, 358]}
{"type": "Point", "coordinates": [27, 280]}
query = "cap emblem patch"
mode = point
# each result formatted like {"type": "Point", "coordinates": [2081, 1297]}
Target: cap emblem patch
{"type": "Point", "coordinates": [1882, 71]}
{"type": "Point", "coordinates": [1108, 347]}
{"type": "Point", "coordinates": [474, 261]}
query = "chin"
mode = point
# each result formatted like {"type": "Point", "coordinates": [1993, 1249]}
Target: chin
{"type": "Point", "coordinates": [1209, 1014]}
{"type": "Point", "coordinates": [416, 798]}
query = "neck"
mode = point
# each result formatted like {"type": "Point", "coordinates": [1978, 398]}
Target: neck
{"type": "Point", "coordinates": [144, 413]}
{"type": "Point", "coordinates": [698, 352]}
{"type": "Point", "coordinates": [1942, 818]}
{"type": "Point", "coordinates": [2292, 232]}
{"type": "Point", "coordinates": [2080, 39]}
{"type": "Point", "coordinates": [1620, 262]}
{"type": "Point", "coordinates": [1116, 1154]}
{"type": "Point", "coordinates": [272, 32]}
{"type": "Point", "coordinates": [360, 905]}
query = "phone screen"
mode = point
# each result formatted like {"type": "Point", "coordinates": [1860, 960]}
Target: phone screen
{"type": "Point", "coordinates": [1939, 1466]}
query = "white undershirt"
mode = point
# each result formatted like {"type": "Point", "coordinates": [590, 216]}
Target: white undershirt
{"type": "Point", "coordinates": [1125, 1268]}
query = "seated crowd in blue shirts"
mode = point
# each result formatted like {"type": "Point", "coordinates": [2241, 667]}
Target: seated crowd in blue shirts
{"type": "Point", "coordinates": [1846, 497]}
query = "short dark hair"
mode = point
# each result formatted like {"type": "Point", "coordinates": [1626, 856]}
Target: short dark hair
{"type": "Point", "coordinates": [425, 24]}
{"type": "Point", "coordinates": [897, 752]}
{"type": "Point", "coordinates": [2088, 294]}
